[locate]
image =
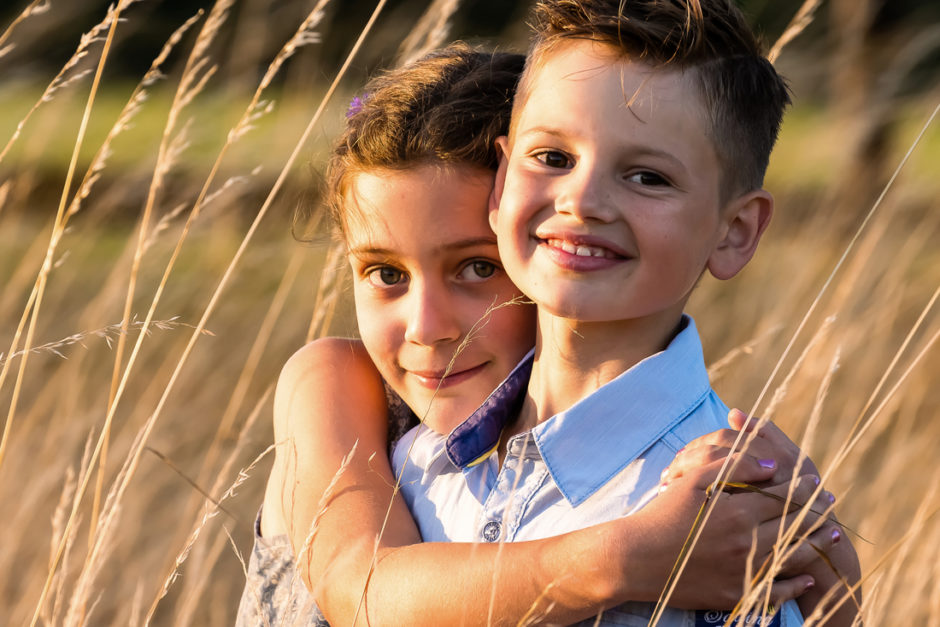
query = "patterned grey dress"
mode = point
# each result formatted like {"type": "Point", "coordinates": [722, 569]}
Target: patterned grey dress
{"type": "Point", "coordinates": [274, 593]}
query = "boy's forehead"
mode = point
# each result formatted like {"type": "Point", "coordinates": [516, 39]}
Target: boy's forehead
{"type": "Point", "coordinates": [616, 79]}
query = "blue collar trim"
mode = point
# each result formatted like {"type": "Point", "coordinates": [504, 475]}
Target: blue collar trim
{"type": "Point", "coordinates": [478, 436]}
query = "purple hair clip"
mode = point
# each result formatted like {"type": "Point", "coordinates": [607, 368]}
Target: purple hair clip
{"type": "Point", "coordinates": [355, 105]}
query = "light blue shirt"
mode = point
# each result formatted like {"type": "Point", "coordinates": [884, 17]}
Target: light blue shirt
{"type": "Point", "coordinates": [599, 460]}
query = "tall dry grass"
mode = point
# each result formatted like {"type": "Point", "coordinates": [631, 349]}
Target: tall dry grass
{"type": "Point", "coordinates": [148, 305]}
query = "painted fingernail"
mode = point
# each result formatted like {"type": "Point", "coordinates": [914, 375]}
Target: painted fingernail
{"type": "Point", "coordinates": [767, 463]}
{"type": "Point", "coordinates": [831, 497]}
{"type": "Point", "coordinates": [815, 480]}
{"type": "Point", "coordinates": [836, 536]}
{"type": "Point", "coordinates": [662, 486]}
{"type": "Point", "coordinates": [809, 584]}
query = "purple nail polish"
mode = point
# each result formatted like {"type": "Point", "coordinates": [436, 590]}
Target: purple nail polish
{"type": "Point", "coordinates": [836, 536]}
{"type": "Point", "coordinates": [767, 463]}
{"type": "Point", "coordinates": [831, 497]}
{"type": "Point", "coordinates": [815, 480]}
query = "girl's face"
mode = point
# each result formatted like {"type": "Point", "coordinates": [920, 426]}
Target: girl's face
{"type": "Point", "coordinates": [433, 303]}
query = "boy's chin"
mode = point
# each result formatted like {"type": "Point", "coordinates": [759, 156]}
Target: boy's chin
{"type": "Point", "coordinates": [444, 415]}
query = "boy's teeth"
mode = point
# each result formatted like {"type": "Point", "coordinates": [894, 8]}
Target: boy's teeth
{"type": "Point", "coordinates": [580, 251]}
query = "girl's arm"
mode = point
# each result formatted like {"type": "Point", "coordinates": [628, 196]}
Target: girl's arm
{"type": "Point", "coordinates": [347, 537]}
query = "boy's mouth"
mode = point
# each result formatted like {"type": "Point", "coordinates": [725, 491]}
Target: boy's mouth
{"type": "Point", "coordinates": [581, 250]}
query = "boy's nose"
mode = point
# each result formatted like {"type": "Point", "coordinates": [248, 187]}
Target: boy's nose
{"type": "Point", "coordinates": [432, 317]}
{"type": "Point", "coordinates": [583, 195]}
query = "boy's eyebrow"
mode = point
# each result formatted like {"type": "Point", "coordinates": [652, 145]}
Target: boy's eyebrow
{"type": "Point", "coordinates": [547, 130]}
{"type": "Point", "coordinates": [470, 242]}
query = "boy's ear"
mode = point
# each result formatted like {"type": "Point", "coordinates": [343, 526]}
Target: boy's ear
{"type": "Point", "coordinates": [745, 219]}
{"type": "Point", "coordinates": [502, 143]}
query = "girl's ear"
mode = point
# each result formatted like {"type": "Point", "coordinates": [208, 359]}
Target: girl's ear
{"type": "Point", "coordinates": [502, 143]}
{"type": "Point", "coordinates": [745, 219]}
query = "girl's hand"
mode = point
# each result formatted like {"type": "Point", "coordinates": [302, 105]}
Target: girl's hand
{"type": "Point", "coordinates": [724, 556]}
{"type": "Point", "coordinates": [771, 458]}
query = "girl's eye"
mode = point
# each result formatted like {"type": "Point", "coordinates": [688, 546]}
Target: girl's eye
{"type": "Point", "coordinates": [554, 159]}
{"type": "Point", "coordinates": [648, 179]}
{"type": "Point", "coordinates": [478, 270]}
{"type": "Point", "coordinates": [385, 276]}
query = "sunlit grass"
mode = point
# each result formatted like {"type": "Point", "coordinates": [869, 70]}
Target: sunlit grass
{"type": "Point", "coordinates": [875, 299]}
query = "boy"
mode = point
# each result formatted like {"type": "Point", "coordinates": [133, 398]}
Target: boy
{"type": "Point", "coordinates": [639, 139]}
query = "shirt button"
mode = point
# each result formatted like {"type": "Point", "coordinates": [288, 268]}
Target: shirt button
{"type": "Point", "coordinates": [491, 531]}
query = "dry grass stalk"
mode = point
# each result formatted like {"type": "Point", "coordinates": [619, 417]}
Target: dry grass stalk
{"type": "Point", "coordinates": [322, 506]}
{"type": "Point", "coordinates": [35, 300]}
{"type": "Point", "coordinates": [58, 530]}
{"type": "Point", "coordinates": [212, 510]}
{"type": "Point", "coordinates": [781, 392]}
{"type": "Point", "coordinates": [192, 82]}
{"type": "Point", "coordinates": [249, 369]}
{"type": "Point", "coordinates": [4, 194]}
{"type": "Point", "coordinates": [845, 255]}
{"type": "Point", "coordinates": [429, 33]}
{"type": "Point", "coordinates": [332, 281]}
{"type": "Point", "coordinates": [171, 146]}
{"type": "Point", "coordinates": [128, 113]}
{"type": "Point", "coordinates": [803, 18]}
{"type": "Point", "coordinates": [717, 368]}
{"type": "Point", "coordinates": [889, 395]}
{"type": "Point", "coordinates": [107, 333]}
{"type": "Point", "coordinates": [134, 455]}
{"type": "Point", "coordinates": [858, 428]}
{"type": "Point", "coordinates": [57, 229]}
{"type": "Point", "coordinates": [903, 582]}
{"type": "Point", "coordinates": [36, 7]}
{"type": "Point", "coordinates": [99, 33]}
{"type": "Point", "coordinates": [201, 567]}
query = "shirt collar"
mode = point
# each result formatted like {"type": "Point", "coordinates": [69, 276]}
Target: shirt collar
{"type": "Point", "coordinates": [478, 436]}
{"type": "Point", "coordinates": [585, 446]}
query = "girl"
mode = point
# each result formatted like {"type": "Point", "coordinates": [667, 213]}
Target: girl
{"type": "Point", "coordinates": [408, 186]}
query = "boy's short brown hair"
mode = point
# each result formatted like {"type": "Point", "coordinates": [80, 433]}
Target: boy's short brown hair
{"type": "Point", "coordinates": [743, 95]}
{"type": "Point", "coordinates": [448, 107]}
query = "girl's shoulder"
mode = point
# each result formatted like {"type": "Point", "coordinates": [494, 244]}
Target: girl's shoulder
{"type": "Point", "coordinates": [344, 365]}
{"type": "Point", "coordinates": [328, 355]}
{"type": "Point", "coordinates": [331, 364]}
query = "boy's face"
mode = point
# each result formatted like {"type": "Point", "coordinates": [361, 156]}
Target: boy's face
{"type": "Point", "coordinates": [610, 203]}
{"type": "Point", "coordinates": [426, 272]}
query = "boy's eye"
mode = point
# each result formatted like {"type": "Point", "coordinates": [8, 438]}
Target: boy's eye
{"type": "Point", "coordinates": [385, 276]}
{"type": "Point", "coordinates": [554, 159]}
{"type": "Point", "coordinates": [478, 270]}
{"type": "Point", "coordinates": [648, 179]}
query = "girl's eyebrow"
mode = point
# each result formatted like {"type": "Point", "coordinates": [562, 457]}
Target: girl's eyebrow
{"type": "Point", "coordinates": [470, 242]}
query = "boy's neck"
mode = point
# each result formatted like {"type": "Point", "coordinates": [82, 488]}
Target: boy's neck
{"type": "Point", "coordinates": [573, 359]}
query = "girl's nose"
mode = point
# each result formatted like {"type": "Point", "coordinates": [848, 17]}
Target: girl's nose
{"type": "Point", "coordinates": [432, 316]}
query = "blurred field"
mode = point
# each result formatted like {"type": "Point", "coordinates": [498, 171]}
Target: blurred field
{"type": "Point", "coordinates": [211, 405]}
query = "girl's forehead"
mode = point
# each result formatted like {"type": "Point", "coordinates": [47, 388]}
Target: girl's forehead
{"type": "Point", "coordinates": [421, 210]}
